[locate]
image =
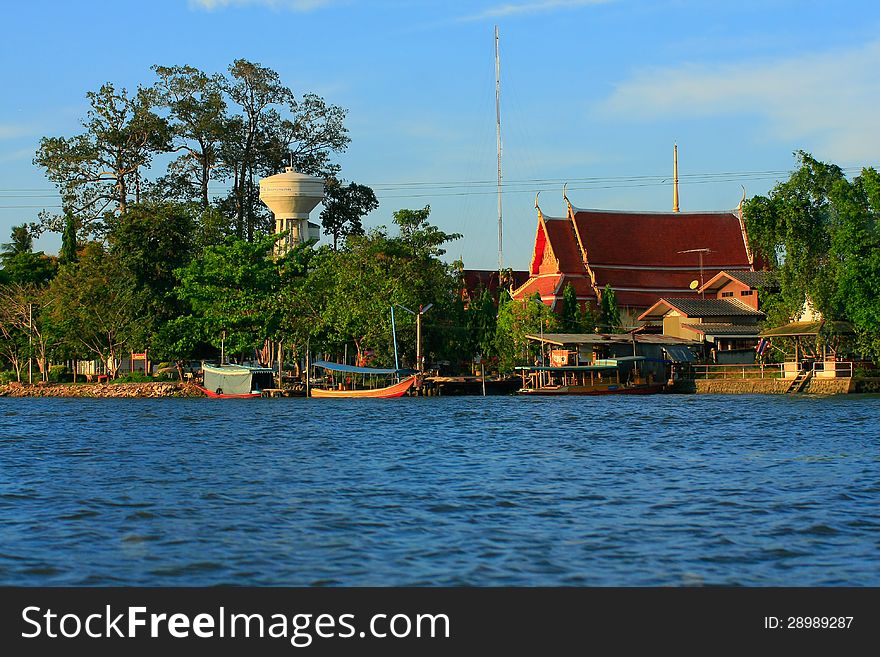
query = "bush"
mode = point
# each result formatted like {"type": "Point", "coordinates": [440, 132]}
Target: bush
{"type": "Point", "coordinates": [57, 373]}
{"type": "Point", "coordinates": [133, 377]}
{"type": "Point", "coordinates": [7, 377]}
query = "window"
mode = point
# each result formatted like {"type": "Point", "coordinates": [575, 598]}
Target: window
{"type": "Point", "coordinates": [746, 293]}
{"type": "Point", "coordinates": [727, 294]}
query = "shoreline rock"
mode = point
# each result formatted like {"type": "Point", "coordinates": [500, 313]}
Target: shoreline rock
{"type": "Point", "coordinates": [95, 390]}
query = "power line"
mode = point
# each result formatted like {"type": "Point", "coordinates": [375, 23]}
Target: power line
{"type": "Point", "coordinates": [453, 188]}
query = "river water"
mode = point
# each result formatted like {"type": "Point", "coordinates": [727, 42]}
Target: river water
{"type": "Point", "coordinates": [625, 491]}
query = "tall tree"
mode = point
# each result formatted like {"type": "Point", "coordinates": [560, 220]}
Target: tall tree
{"type": "Point", "coordinates": [609, 311]}
{"type": "Point", "coordinates": [344, 207]}
{"type": "Point", "coordinates": [855, 252]}
{"type": "Point", "coordinates": [518, 318]}
{"type": "Point", "coordinates": [570, 319]}
{"type": "Point", "coordinates": [97, 306]}
{"type": "Point", "coordinates": [232, 289]}
{"type": "Point", "coordinates": [792, 228]}
{"type": "Point", "coordinates": [198, 124]}
{"type": "Point", "coordinates": [98, 170]}
{"type": "Point", "coordinates": [68, 252]}
{"type": "Point", "coordinates": [257, 90]}
{"type": "Point", "coordinates": [21, 241]}
{"type": "Point", "coordinates": [274, 130]}
{"type": "Point", "coordinates": [20, 263]}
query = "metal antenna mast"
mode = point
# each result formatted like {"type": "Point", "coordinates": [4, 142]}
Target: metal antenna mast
{"type": "Point", "coordinates": [498, 141]}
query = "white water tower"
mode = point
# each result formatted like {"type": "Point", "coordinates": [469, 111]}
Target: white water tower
{"type": "Point", "coordinates": [291, 196]}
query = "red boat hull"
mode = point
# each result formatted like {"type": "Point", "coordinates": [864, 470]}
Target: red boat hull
{"type": "Point", "coordinates": [396, 390]}
{"type": "Point", "coordinates": [214, 395]}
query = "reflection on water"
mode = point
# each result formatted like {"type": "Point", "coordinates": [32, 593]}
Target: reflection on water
{"type": "Point", "coordinates": [662, 490]}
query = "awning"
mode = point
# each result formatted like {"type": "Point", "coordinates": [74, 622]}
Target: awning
{"type": "Point", "coordinates": [351, 369]}
{"type": "Point", "coordinates": [679, 353]}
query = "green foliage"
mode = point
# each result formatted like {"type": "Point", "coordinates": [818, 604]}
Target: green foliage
{"type": "Point", "coordinates": [344, 206]}
{"type": "Point", "coordinates": [97, 306]}
{"type": "Point", "coordinates": [57, 373]}
{"type": "Point", "coordinates": [8, 377]}
{"type": "Point", "coordinates": [134, 377]}
{"type": "Point", "coordinates": [570, 315]}
{"type": "Point", "coordinates": [820, 232]}
{"type": "Point", "coordinates": [347, 296]}
{"type": "Point", "coordinates": [482, 324]}
{"type": "Point", "coordinates": [21, 242]}
{"type": "Point", "coordinates": [103, 165]}
{"type": "Point", "coordinates": [30, 268]}
{"type": "Point", "coordinates": [609, 312]}
{"type": "Point", "coordinates": [68, 252]}
{"type": "Point", "coordinates": [232, 289]}
{"type": "Point", "coordinates": [516, 320]}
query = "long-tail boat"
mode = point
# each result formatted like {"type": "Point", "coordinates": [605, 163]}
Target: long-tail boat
{"type": "Point", "coordinates": [362, 382]}
{"type": "Point", "coordinates": [602, 377]}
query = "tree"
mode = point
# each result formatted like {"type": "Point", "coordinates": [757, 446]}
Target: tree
{"type": "Point", "coordinates": [21, 264]}
{"type": "Point", "coordinates": [198, 125]}
{"type": "Point", "coordinates": [570, 318]}
{"type": "Point", "coordinates": [609, 312]}
{"type": "Point", "coordinates": [855, 250]}
{"type": "Point", "coordinates": [482, 322]}
{"type": "Point", "coordinates": [516, 320]}
{"type": "Point", "coordinates": [344, 206]}
{"type": "Point", "coordinates": [97, 170]}
{"type": "Point", "coordinates": [261, 140]}
{"type": "Point", "coordinates": [151, 241]}
{"type": "Point", "coordinates": [21, 242]}
{"type": "Point", "coordinates": [792, 229]}
{"type": "Point", "coordinates": [97, 306]}
{"type": "Point", "coordinates": [232, 289]}
{"type": "Point", "coordinates": [348, 294]}
{"type": "Point", "coordinates": [68, 253]}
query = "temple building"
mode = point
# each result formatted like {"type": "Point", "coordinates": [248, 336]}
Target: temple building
{"type": "Point", "coordinates": [643, 256]}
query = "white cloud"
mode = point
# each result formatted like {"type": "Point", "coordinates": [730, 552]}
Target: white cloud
{"type": "Point", "coordinates": [827, 98]}
{"type": "Point", "coordinates": [294, 5]}
{"type": "Point", "coordinates": [542, 6]}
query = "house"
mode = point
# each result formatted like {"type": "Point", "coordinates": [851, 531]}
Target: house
{"type": "Point", "coordinates": [661, 352]}
{"type": "Point", "coordinates": [728, 326]}
{"type": "Point", "coordinates": [740, 285]}
{"type": "Point", "coordinates": [643, 256]}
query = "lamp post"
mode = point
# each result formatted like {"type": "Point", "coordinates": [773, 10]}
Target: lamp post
{"type": "Point", "coordinates": [420, 366]}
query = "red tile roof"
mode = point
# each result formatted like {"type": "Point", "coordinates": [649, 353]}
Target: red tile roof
{"type": "Point", "coordinates": [637, 253]}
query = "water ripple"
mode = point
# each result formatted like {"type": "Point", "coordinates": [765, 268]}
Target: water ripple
{"type": "Point", "coordinates": [661, 491]}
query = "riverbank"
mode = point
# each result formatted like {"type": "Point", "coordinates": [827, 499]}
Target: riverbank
{"type": "Point", "coordinates": [841, 386]}
{"type": "Point", "coordinates": [90, 390]}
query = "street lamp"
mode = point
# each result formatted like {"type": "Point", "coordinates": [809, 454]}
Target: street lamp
{"type": "Point", "coordinates": [422, 310]}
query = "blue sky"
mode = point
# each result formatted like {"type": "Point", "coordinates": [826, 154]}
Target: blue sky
{"type": "Point", "coordinates": [593, 92]}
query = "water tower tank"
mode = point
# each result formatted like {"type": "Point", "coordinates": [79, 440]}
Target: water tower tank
{"type": "Point", "coordinates": [291, 196]}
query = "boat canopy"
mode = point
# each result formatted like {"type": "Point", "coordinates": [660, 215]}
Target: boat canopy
{"type": "Point", "coordinates": [352, 369]}
{"type": "Point", "coordinates": [237, 379]}
{"type": "Point", "coordinates": [568, 368]}
{"type": "Point", "coordinates": [614, 362]}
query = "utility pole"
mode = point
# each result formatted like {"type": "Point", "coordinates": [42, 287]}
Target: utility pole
{"type": "Point", "coordinates": [498, 144]}
{"type": "Point", "coordinates": [419, 365]}
{"type": "Point", "coordinates": [30, 343]}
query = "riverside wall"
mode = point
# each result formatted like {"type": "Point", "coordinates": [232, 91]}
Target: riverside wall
{"type": "Point", "coordinates": [840, 386]}
{"type": "Point", "coordinates": [153, 389]}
